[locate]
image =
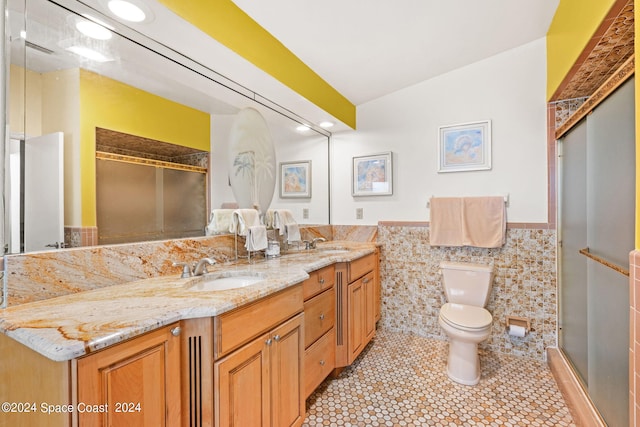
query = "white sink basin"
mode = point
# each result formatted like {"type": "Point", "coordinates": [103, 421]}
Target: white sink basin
{"type": "Point", "coordinates": [221, 282]}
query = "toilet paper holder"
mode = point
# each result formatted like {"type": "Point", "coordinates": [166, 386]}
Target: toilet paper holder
{"type": "Point", "coordinates": [518, 321]}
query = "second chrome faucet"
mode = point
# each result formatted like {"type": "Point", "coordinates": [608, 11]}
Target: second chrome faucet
{"type": "Point", "coordinates": [199, 268]}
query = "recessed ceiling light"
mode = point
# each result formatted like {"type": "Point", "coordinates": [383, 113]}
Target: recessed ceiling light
{"type": "Point", "coordinates": [88, 53]}
{"type": "Point", "coordinates": [93, 30]}
{"type": "Point", "coordinates": [326, 124]}
{"type": "Point", "coordinates": [302, 128]}
{"type": "Point", "coordinates": [127, 10]}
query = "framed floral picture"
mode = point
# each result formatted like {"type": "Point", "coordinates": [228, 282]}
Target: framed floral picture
{"type": "Point", "coordinates": [295, 179]}
{"type": "Point", "coordinates": [373, 175]}
{"type": "Point", "coordinates": [465, 147]}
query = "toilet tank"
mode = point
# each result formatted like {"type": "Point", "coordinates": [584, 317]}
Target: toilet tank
{"type": "Point", "coordinates": [467, 283]}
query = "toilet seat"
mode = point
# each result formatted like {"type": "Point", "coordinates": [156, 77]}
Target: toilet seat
{"type": "Point", "coordinates": [465, 317]}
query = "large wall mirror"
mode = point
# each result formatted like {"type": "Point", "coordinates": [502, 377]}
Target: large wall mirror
{"type": "Point", "coordinates": [88, 109]}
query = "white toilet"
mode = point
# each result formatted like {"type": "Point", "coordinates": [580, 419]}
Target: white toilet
{"type": "Point", "coordinates": [464, 318]}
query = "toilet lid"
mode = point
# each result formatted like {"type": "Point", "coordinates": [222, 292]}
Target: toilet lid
{"type": "Point", "coordinates": [466, 317]}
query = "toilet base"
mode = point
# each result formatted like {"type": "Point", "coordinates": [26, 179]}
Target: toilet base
{"type": "Point", "coordinates": [464, 364]}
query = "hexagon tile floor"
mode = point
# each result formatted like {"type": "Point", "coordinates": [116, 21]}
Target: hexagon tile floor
{"type": "Point", "coordinates": [400, 380]}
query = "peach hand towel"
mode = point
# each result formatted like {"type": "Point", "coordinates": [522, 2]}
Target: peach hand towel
{"type": "Point", "coordinates": [445, 226]}
{"type": "Point", "coordinates": [484, 222]}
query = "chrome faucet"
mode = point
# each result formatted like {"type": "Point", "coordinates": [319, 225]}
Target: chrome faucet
{"type": "Point", "coordinates": [201, 266]}
{"type": "Point", "coordinates": [198, 269]}
{"type": "Point", "coordinates": [186, 270]}
{"type": "Point", "coordinates": [312, 244]}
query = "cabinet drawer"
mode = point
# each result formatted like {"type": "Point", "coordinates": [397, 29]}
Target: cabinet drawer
{"type": "Point", "coordinates": [234, 328]}
{"type": "Point", "coordinates": [319, 314]}
{"type": "Point", "coordinates": [361, 266]}
{"type": "Point", "coordinates": [319, 361]}
{"type": "Point", "coordinates": [318, 281]}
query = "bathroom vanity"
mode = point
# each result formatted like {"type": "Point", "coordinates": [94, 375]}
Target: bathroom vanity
{"type": "Point", "coordinates": [161, 352]}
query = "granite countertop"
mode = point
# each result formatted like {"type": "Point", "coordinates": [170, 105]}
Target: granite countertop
{"type": "Point", "coordinates": [70, 326]}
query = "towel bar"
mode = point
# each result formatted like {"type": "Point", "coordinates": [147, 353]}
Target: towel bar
{"type": "Point", "coordinates": [506, 200]}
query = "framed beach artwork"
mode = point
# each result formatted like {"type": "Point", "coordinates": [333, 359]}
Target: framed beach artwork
{"type": "Point", "coordinates": [295, 179]}
{"type": "Point", "coordinates": [465, 147]}
{"type": "Point", "coordinates": [373, 175]}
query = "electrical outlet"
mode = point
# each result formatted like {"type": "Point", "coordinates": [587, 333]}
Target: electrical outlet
{"type": "Point", "coordinates": [359, 213]}
{"type": "Point", "coordinates": [305, 213]}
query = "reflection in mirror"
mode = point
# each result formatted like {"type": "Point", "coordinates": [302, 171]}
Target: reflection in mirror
{"type": "Point", "coordinates": [120, 97]}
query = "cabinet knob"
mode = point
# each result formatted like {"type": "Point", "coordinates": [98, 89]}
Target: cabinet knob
{"type": "Point", "coordinates": [268, 341]}
{"type": "Point", "coordinates": [322, 316]}
{"type": "Point", "coordinates": [322, 363]}
{"type": "Point", "coordinates": [176, 331]}
{"type": "Point", "coordinates": [277, 338]}
{"type": "Point", "coordinates": [365, 280]}
{"type": "Point", "coordinates": [321, 280]}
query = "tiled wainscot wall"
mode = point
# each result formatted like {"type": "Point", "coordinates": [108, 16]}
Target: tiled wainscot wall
{"type": "Point", "coordinates": [524, 285]}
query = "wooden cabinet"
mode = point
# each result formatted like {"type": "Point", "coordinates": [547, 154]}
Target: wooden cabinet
{"type": "Point", "coordinates": [260, 384]}
{"type": "Point", "coordinates": [319, 320]}
{"type": "Point", "coordinates": [361, 316]}
{"type": "Point", "coordinates": [358, 307]}
{"type": "Point", "coordinates": [258, 374]}
{"type": "Point", "coordinates": [254, 365]}
{"type": "Point", "coordinates": [28, 379]}
{"type": "Point", "coordinates": [136, 382]}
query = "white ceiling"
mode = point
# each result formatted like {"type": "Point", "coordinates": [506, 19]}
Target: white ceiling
{"type": "Point", "coordinates": [366, 49]}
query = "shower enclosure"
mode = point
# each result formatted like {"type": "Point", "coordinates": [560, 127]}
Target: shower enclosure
{"type": "Point", "coordinates": [596, 215]}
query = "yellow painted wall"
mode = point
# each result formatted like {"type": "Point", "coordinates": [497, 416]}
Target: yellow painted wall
{"type": "Point", "coordinates": [229, 25]}
{"type": "Point", "coordinates": [574, 23]}
{"type": "Point", "coordinates": [61, 113]}
{"type": "Point", "coordinates": [25, 90]}
{"type": "Point", "coordinates": [636, 16]}
{"type": "Point", "coordinates": [109, 104]}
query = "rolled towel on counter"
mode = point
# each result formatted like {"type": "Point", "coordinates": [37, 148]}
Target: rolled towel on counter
{"type": "Point", "coordinates": [292, 232]}
{"type": "Point", "coordinates": [256, 238]}
{"type": "Point", "coordinates": [242, 219]}
{"type": "Point", "coordinates": [219, 221]}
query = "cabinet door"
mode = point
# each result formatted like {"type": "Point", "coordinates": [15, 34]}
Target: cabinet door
{"type": "Point", "coordinates": [136, 383]}
{"type": "Point", "coordinates": [377, 288]}
{"type": "Point", "coordinates": [355, 321]}
{"type": "Point", "coordinates": [242, 391]}
{"type": "Point", "coordinates": [369, 286]}
{"type": "Point", "coordinates": [287, 352]}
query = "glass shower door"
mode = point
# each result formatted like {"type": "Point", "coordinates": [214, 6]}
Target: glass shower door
{"type": "Point", "coordinates": [597, 220]}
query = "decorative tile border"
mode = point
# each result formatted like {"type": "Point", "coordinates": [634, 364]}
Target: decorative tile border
{"type": "Point", "coordinates": [620, 76]}
{"type": "Point", "coordinates": [609, 47]}
{"type": "Point", "coordinates": [77, 237]}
